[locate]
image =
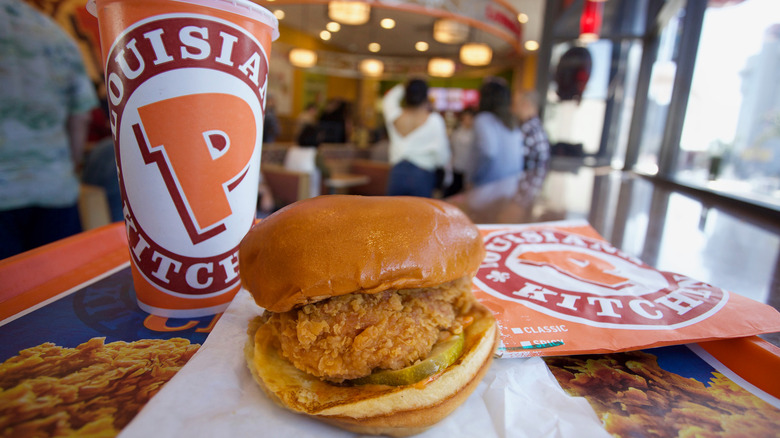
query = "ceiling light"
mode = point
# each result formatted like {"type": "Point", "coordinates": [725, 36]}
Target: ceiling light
{"type": "Point", "coordinates": [279, 14]}
{"type": "Point", "coordinates": [325, 35]}
{"type": "Point", "coordinates": [303, 58]}
{"type": "Point", "coordinates": [332, 26]}
{"type": "Point", "coordinates": [441, 67]}
{"type": "Point", "coordinates": [531, 45]}
{"type": "Point", "coordinates": [476, 54]}
{"type": "Point", "coordinates": [421, 46]}
{"type": "Point", "coordinates": [374, 47]}
{"type": "Point", "coordinates": [349, 12]}
{"type": "Point", "coordinates": [523, 18]}
{"type": "Point", "coordinates": [387, 23]}
{"type": "Point", "coordinates": [372, 67]}
{"type": "Point", "coordinates": [449, 31]}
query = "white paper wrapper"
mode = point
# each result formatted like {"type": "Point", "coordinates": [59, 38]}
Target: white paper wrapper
{"type": "Point", "coordinates": [215, 395]}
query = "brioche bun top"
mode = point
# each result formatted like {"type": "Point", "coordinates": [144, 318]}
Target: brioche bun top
{"type": "Point", "coordinates": [340, 244]}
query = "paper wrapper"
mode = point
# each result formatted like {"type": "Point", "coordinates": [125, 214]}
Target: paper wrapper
{"type": "Point", "coordinates": [559, 288]}
{"type": "Point", "coordinates": [215, 395]}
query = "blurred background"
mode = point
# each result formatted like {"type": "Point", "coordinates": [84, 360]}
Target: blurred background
{"type": "Point", "coordinates": [686, 91]}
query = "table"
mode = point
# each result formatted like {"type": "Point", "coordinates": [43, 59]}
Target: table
{"type": "Point", "coordinates": [713, 240]}
{"type": "Point", "coordinates": [340, 183]}
{"type": "Point", "coordinates": [79, 289]}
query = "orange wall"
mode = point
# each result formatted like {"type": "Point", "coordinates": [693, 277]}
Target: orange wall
{"type": "Point", "coordinates": [337, 87]}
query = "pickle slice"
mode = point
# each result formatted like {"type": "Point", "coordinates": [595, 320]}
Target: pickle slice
{"type": "Point", "coordinates": [442, 355]}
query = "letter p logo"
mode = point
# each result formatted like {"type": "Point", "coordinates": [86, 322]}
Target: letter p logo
{"type": "Point", "coordinates": [202, 144]}
{"type": "Point", "coordinates": [584, 266]}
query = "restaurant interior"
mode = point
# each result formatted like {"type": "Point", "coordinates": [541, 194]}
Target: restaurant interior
{"type": "Point", "coordinates": [661, 156]}
{"type": "Point", "coordinates": [663, 133]}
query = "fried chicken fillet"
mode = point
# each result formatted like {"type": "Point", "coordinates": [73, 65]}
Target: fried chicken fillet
{"type": "Point", "coordinates": [349, 336]}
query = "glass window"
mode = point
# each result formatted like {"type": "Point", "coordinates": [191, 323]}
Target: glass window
{"type": "Point", "coordinates": [575, 125]}
{"type": "Point", "coordinates": [659, 95]}
{"type": "Point", "coordinates": [731, 135]}
{"type": "Point", "coordinates": [623, 97]}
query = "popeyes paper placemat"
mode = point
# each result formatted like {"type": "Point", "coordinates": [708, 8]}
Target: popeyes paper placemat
{"type": "Point", "coordinates": [214, 395]}
{"type": "Point", "coordinates": [559, 288]}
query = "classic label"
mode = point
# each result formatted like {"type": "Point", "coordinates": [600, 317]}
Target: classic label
{"type": "Point", "coordinates": [574, 278]}
{"type": "Point", "coordinates": [186, 98]}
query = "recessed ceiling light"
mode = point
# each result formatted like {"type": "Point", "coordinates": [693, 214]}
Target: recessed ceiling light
{"type": "Point", "coordinates": [279, 14]}
{"type": "Point", "coordinates": [523, 18]}
{"type": "Point", "coordinates": [303, 58]}
{"type": "Point", "coordinates": [531, 45]}
{"type": "Point", "coordinates": [374, 47]}
{"type": "Point", "coordinates": [441, 67]}
{"type": "Point", "coordinates": [421, 46]}
{"type": "Point", "coordinates": [387, 23]}
{"type": "Point", "coordinates": [477, 54]}
{"type": "Point", "coordinates": [372, 67]}
{"type": "Point", "coordinates": [325, 35]}
{"type": "Point", "coordinates": [450, 31]}
{"type": "Point", "coordinates": [349, 12]}
{"type": "Point", "coordinates": [333, 26]}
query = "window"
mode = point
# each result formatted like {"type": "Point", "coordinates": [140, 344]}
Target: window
{"type": "Point", "coordinates": [579, 122]}
{"type": "Point", "coordinates": [659, 95]}
{"type": "Point", "coordinates": [730, 140]}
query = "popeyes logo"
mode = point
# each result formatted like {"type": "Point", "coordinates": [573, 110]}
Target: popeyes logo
{"type": "Point", "coordinates": [584, 280]}
{"type": "Point", "coordinates": [186, 98]}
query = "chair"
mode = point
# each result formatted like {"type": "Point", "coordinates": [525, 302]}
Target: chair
{"type": "Point", "coordinates": [273, 153]}
{"type": "Point", "coordinates": [378, 173]}
{"type": "Point", "coordinates": [286, 186]}
{"type": "Point", "coordinates": [304, 159]}
{"type": "Point", "coordinates": [93, 207]}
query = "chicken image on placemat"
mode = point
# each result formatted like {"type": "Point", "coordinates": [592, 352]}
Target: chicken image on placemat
{"type": "Point", "coordinates": [635, 397]}
{"type": "Point", "coordinates": [92, 390]}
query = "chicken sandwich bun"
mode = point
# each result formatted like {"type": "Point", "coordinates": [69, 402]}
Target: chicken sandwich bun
{"type": "Point", "coordinates": [369, 321]}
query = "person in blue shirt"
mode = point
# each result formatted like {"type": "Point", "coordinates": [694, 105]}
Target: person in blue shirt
{"type": "Point", "coordinates": [498, 140]}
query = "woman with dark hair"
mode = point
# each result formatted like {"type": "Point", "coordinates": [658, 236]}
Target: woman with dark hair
{"type": "Point", "coordinates": [418, 140]}
{"type": "Point", "coordinates": [498, 151]}
{"type": "Point", "coordinates": [335, 122]}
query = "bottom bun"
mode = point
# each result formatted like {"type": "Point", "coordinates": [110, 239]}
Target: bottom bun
{"type": "Point", "coordinates": [374, 409]}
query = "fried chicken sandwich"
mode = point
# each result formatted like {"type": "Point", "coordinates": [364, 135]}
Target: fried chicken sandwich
{"type": "Point", "coordinates": [369, 321]}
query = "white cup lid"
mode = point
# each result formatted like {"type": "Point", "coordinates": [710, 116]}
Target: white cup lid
{"type": "Point", "coordinates": [242, 7]}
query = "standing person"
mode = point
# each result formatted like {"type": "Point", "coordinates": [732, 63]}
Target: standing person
{"type": "Point", "coordinates": [305, 157]}
{"type": "Point", "coordinates": [45, 103]}
{"type": "Point", "coordinates": [307, 118]}
{"type": "Point", "coordinates": [536, 146]}
{"type": "Point", "coordinates": [335, 122]}
{"type": "Point", "coordinates": [498, 151]}
{"type": "Point", "coordinates": [462, 142]}
{"type": "Point", "coordinates": [271, 126]}
{"type": "Point", "coordinates": [418, 140]}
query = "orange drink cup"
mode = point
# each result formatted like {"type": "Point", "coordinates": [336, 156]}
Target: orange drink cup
{"type": "Point", "coordinates": [186, 83]}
